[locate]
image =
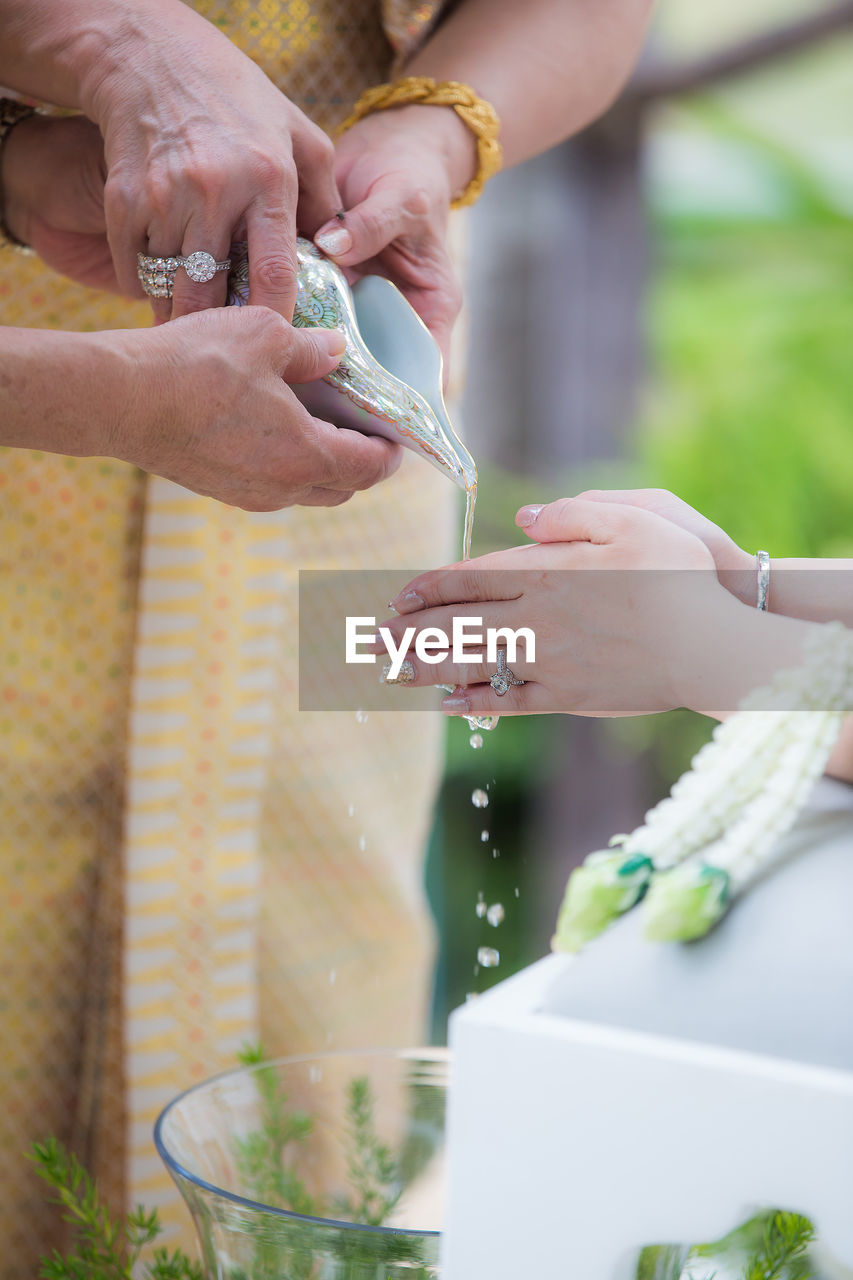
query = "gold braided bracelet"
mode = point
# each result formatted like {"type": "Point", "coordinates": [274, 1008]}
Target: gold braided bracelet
{"type": "Point", "coordinates": [479, 115]}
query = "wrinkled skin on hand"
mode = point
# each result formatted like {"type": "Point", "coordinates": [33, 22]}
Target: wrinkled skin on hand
{"type": "Point", "coordinates": [397, 172]}
{"type": "Point", "coordinates": [211, 409]}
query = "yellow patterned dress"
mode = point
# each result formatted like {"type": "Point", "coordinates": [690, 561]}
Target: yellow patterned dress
{"type": "Point", "coordinates": [186, 861]}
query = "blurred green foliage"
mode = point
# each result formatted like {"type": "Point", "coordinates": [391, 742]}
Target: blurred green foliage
{"type": "Point", "coordinates": [750, 412]}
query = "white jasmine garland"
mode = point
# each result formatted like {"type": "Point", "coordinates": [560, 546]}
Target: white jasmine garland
{"type": "Point", "coordinates": [717, 830]}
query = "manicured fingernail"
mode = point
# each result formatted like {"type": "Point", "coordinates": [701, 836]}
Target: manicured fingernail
{"type": "Point", "coordinates": [456, 705]}
{"type": "Point", "coordinates": [528, 516]}
{"type": "Point", "coordinates": [405, 675]}
{"type": "Point", "coordinates": [333, 240]}
{"type": "Point", "coordinates": [408, 602]}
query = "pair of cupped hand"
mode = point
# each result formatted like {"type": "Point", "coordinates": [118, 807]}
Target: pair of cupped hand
{"type": "Point", "coordinates": [637, 602]}
{"type": "Point", "coordinates": [186, 153]}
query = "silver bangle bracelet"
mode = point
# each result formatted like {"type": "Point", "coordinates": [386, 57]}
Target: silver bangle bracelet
{"type": "Point", "coordinates": [762, 573]}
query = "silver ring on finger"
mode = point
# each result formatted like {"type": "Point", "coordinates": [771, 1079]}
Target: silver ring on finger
{"type": "Point", "coordinates": [503, 679]}
{"type": "Point", "coordinates": [202, 266]}
{"type": "Point", "coordinates": [157, 274]}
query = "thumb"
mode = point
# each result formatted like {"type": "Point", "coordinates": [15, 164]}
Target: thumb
{"type": "Point", "coordinates": [310, 354]}
{"type": "Point", "coordinates": [573, 520]}
{"type": "Point", "coordinates": [366, 229]}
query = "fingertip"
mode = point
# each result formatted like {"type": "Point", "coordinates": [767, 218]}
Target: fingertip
{"type": "Point", "coordinates": [334, 240]}
{"type": "Point", "coordinates": [333, 341]}
{"type": "Point", "coordinates": [527, 516]}
{"type": "Point", "coordinates": [395, 457]}
{"type": "Point", "coordinates": [408, 601]}
{"type": "Point", "coordinates": [456, 703]}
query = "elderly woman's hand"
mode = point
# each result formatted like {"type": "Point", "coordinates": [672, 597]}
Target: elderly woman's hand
{"type": "Point", "coordinates": [397, 171]}
{"type": "Point", "coordinates": [626, 609]}
{"type": "Point", "coordinates": [202, 149]}
{"type": "Point", "coordinates": [203, 401]}
{"type": "Point", "coordinates": [53, 196]}
{"type": "Point", "coordinates": [208, 405]}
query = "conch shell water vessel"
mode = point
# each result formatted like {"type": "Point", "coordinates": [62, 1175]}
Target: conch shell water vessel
{"type": "Point", "coordinates": [389, 381]}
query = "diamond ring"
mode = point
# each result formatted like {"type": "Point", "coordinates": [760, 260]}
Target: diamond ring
{"type": "Point", "coordinates": [503, 679]}
{"type": "Point", "coordinates": [157, 275]}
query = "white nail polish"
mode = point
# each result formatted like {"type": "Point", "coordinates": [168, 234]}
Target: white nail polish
{"type": "Point", "coordinates": [334, 242]}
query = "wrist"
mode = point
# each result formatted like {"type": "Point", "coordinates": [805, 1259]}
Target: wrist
{"type": "Point", "coordinates": [729, 650]}
{"type": "Point", "coordinates": [441, 129]}
{"type": "Point", "coordinates": [131, 47]}
{"type": "Point", "coordinates": [137, 404]}
{"type": "Point", "coordinates": [434, 134]}
{"type": "Point", "coordinates": [114, 42]}
{"type": "Point", "coordinates": [737, 572]}
{"type": "Point", "coordinates": [64, 392]}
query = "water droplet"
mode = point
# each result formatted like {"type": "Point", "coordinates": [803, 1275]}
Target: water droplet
{"type": "Point", "coordinates": [482, 722]}
{"type": "Point", "coordinates": [518, 893]}
{"type": "Point", "coordinates": [315, 1074]}
{"type": "Point", "coordinates": [333, 973]}
{"type": "Point", "coordinates": [479, 799]}
{"type": "Point", "coordinates": [488, 957]}
{"type": "Point", "coordinates": [484, 835]}
{"type": "Point", "coordinates": [496, 853]}
{"type": "Point", "coordinates": [476, 741]}
{"type": "Point", "coordinates": [362, 843]}
{"type": "Point", "coordinates": [495, 914]}
{"type": "Point", "coordinates": [361, 716]}
{"type": "Point", "coordinates": [481, 906]}
{"type": "Point", "coordinates": [350, 810]}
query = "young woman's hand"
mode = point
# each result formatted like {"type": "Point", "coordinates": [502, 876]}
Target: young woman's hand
{"type": "Point", "coordinates": [627, 611]}
{"type": "Point", "coordinates": [53, 196]}
{"type": "Point", "coordinates": [397, 171]}
{"type": "Point", "coordinates": [735, 567]}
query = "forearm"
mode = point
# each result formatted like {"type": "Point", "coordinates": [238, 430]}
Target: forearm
{"type": "Point", "coordinates": [64, 392]}
{"type": "Point", "coordinates": [814, 590]}
{"type": "Point", "coordinates": [549, 67]}
{"type": "Point", "coordinates": [67, 53]}
{"type": "Point", "coordinates": [817, 590]}
{"type": "Point", "coordinates": [744, 649]}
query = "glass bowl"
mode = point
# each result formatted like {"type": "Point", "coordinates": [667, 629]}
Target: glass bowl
{"type": "Point", "coordinates": [314, 1168]}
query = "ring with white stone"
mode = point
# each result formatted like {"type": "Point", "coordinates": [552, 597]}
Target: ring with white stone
{"type": "Point", "coordinates": [157, 274]}
{"type": "Point", "coordinates": [503, 679]}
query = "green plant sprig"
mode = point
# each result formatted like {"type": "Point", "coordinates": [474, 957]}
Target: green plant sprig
{"type": "Point", "coordinates": [774, 1245]}
{"type": "Point", "coordinates": [102, 1249]}
{"type": "Point", "coordinates": [373, 1172]}
{"type": "Point", "coordinates": [787, 1237]}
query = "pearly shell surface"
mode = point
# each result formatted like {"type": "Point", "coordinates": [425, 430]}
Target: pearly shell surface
{"type": "Point", "coordinates": [389, 380]}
